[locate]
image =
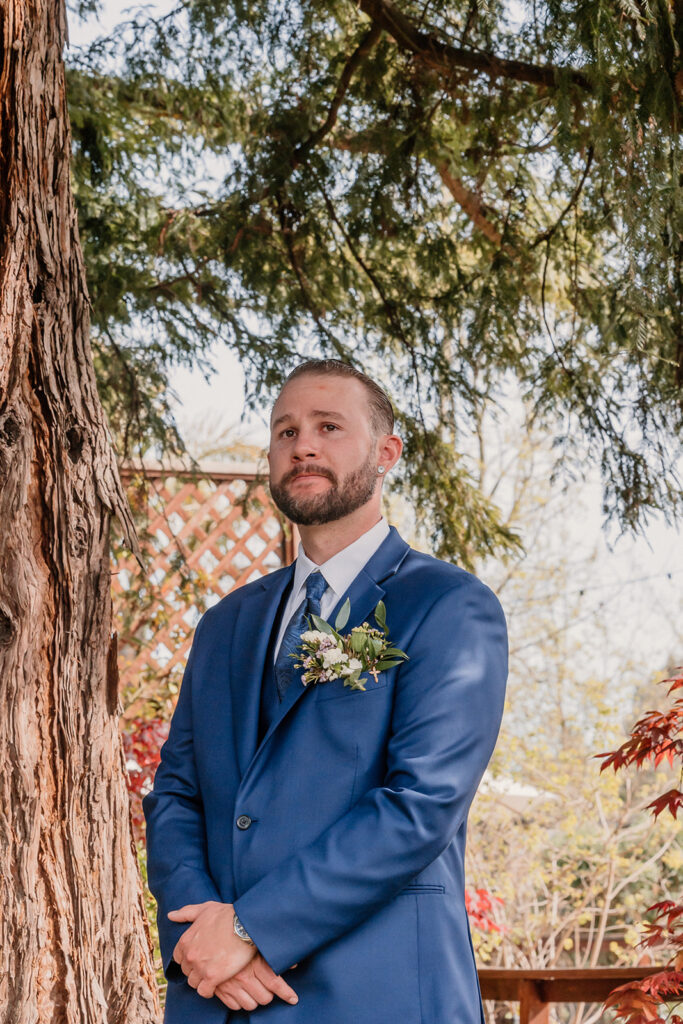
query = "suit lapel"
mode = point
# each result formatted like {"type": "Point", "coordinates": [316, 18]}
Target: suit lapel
{"type": "Point", "coordinates": [364, 593]}
{"type": "Point", "coordinates": [253, 627]}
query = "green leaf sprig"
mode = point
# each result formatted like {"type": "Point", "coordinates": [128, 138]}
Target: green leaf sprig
{"type": "Point", "coordinates": [326, 653]}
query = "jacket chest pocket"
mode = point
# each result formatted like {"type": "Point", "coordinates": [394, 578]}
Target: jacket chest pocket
{"type": "Point", "coordinates": [335, 690]}
{"type": "Point", "coordinates": [353, 727]}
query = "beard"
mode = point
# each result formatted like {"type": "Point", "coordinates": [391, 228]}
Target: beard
{"type": "Point", "coordinates": [340, 500]}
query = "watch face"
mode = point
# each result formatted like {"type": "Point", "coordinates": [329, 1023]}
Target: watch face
{"type": "Point", "coordinates": [241, 930]}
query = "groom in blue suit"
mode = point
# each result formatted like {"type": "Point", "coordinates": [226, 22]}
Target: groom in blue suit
{"type": "Point", "coordinates": [306, 844]}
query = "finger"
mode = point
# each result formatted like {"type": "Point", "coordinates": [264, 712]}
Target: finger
{"type": "Point", "coordinates": [226, 998]}
{"type": "Point", "coordinates": [246, 1001]}
{"type": "Point", "coordinates": [265, 974]}
{"type": "Point", "coordinates": [194, 978]}
{"type": "Point", "coordinates": [205, 989]}
{"type": "Point", "coordinates": [180, 958]}
{"type": "Point", "coordinates": [260, 992]}
{"type": "Point", "coordinates": [190, 912]}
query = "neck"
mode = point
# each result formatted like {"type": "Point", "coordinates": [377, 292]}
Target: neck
{"type": "Point", "coordinates": [323, 541]}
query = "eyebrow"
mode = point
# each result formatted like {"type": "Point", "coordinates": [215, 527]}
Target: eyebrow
{"type": "Point", "coordinates": [316, 412]}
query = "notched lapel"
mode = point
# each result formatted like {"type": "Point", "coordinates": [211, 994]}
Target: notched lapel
{"type": "Point", "coordinates": [254, 624]}
{"type": "Point", "coordinates": [364, 593]}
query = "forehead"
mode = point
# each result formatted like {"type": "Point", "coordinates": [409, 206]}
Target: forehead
{"type": "Point", "coordinates": [314, 394]}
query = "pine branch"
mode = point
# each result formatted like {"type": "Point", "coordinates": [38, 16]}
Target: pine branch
{"type": "Point", "coordinates": [469, 201]}
{"type": "Point", "coordinates": [445, 57]}
{"type": "Point", "coordinates": [546, 236]}
{"type": "Point", "coordinates": [355, 60]}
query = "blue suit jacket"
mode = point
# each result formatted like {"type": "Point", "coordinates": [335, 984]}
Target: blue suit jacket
{"type": "Point", "coordinates": [352, 866]}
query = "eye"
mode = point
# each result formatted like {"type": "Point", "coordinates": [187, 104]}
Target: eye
{"type": "Point", "coordinates": [333, 425]}
{"type": "Point", "coordinates": [286, 431]}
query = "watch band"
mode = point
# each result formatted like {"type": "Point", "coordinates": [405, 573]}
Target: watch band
{"type": "Point", "coordinates": [240, 931]}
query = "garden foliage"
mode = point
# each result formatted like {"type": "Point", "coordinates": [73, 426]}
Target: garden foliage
{"type": "Point", "coordinates": [657, 737]}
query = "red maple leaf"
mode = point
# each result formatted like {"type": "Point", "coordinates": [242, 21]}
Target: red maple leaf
{"type": "Point", "coordinates": [673, 799]}
{"type": "Point", "coordinates": [142, 742]}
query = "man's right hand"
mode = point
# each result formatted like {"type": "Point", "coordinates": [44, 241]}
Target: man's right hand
{"type": "Point", "coordinates": [255, 985]}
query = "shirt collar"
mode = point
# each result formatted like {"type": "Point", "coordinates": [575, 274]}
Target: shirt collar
{"type": "Point", "coordinates": [341, 569]}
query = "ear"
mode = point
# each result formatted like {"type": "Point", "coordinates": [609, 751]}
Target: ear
{"type": "Point", "coordinates": [389, 448]}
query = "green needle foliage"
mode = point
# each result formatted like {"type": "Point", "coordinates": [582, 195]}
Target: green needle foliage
{"type": "Point", "coordinates": [460, 197]}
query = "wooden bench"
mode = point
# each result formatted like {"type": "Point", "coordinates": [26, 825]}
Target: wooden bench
{"type": "Point", "coordinates": [536, 990]}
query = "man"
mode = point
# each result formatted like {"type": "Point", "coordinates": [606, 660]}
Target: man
{"type": "Point", "coordinates": [306, 843]}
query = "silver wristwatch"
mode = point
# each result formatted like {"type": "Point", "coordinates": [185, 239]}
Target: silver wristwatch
{"type": "Point", "coordinates": [241, 931]}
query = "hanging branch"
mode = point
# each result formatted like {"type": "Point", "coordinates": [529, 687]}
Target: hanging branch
{"type": "Point", "coordinates": [366, 44]}
{"type": "Point", "coordinates": [444, 57]}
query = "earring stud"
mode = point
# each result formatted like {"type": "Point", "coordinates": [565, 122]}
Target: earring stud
{"type": "Point", "coordinates": [380, 469]}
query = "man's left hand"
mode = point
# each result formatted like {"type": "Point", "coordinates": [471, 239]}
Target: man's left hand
{"type": "Point", "coordinates": [209, 952]}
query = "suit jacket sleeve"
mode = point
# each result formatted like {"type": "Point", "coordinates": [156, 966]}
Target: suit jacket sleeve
{"type": "Point", "coordinates": [448, 706]}
{"type": "Point", "coordinates": [177, 864]}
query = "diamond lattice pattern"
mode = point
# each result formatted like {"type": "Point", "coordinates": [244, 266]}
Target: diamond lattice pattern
{"type": "Point", "coordinates": [199, 542]}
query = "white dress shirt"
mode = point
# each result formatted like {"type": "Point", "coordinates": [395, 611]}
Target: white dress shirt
{"type": "Point", "coordinates": [340, 571]}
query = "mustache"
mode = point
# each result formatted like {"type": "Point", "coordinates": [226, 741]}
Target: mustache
{"type": "Point", "coordinates": [302, 470]}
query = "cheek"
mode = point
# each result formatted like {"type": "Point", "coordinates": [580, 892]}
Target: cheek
{"type": "Point", "coordinates": [277, 459]}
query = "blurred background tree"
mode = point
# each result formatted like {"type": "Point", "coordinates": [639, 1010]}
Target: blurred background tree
{"type": "Point", "coordinates": [454, 195]}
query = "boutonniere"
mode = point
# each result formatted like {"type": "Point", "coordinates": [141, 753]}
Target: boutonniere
{"type": "Point", "coordinates": [326, 653]}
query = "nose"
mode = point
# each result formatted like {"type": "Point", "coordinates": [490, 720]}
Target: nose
{"type": "Point", "coordinates": [305, 447]}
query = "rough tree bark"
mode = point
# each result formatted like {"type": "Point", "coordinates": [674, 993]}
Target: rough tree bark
{"type": "Point", "coordinates": [74, 946]}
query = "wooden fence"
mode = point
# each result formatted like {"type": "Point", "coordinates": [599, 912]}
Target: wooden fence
{"type": "Point", "coordinates": [203, 534]}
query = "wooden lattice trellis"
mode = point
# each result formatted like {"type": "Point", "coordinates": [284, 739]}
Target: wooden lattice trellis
{"type": "Point", "coordinates": [199, 543]}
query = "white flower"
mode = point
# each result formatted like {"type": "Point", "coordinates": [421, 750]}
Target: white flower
{"type": "Point", "coordinates": [313, 636]}
{"type": "Point", "coordinates": [353, 664]}
{"type": "Point", "coordinates": [333, 657]}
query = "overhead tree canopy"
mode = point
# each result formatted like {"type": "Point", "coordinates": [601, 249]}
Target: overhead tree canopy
{"type": "Point", "coordinates": [456, 196]}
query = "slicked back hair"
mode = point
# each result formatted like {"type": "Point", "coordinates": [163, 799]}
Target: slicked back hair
{"type": "Point", "coordinates": [381, 411]}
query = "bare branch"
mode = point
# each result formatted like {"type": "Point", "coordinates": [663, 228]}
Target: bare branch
{"type": "Point", "coordinates": [545, 236]}
{"type": "Point", "coordinates": [471, 204]}
{"type": "Point", "coordinates": [355, 60]}
{"type": "Point", "coordinates": [445, 57]}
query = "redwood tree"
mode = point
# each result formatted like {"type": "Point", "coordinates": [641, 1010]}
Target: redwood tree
{"type": "Point", "coordinates": [73, 939]}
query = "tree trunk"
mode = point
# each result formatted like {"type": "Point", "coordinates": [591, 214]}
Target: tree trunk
{"type": "Point", "coordinates": [74, 945]}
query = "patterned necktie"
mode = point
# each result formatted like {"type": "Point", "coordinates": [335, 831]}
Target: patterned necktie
{"type": "Point", "coordinates": [316, 585]}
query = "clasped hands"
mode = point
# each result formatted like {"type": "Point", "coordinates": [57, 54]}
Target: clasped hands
{"type": "Point", "coordinates": [217, 962]}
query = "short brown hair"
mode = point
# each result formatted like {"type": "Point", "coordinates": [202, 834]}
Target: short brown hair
{"type": "Point", "coordinates": [381, 410]}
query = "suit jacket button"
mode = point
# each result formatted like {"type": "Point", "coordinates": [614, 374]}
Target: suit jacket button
{"type": "Point", "coordinates": [243, 822]}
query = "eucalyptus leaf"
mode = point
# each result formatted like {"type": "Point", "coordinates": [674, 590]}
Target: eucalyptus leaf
{"type": "Point", "coordinates": [323, 626]}
{"type": "Point", "coordinates": [343, 616]}
{"type": "Point", "coordinates": [357, 642]}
